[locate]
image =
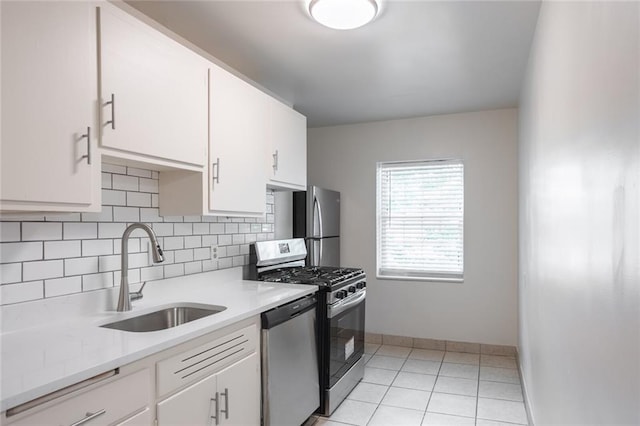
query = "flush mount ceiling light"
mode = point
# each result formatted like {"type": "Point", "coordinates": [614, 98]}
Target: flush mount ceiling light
{"type": "Point", "coordinates": [343, 14]}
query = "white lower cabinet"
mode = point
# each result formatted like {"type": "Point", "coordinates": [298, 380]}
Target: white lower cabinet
{"type": "Point", "coordinates": [211, 380]}
{"type": "Point", "coordinates": [226, 398]}
{"type": "Point", "coordinates": [121, 401]}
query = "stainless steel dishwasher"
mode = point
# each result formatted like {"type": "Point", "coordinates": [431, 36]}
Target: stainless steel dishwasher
{"type": "Point", "coordinates": [290, 377]}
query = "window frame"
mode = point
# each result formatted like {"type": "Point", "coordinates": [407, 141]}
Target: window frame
{"type": "Point", "coordinates": [413, 275]}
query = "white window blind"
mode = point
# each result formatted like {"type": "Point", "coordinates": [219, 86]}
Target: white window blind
{"type": "Point", "coordinates": [420, 219]}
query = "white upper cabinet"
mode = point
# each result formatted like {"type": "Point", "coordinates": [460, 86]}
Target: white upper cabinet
{"type": "Point", "coordinates": [238, 135]}
{"type": "Point", "coordinates": [287, 154]}
{"type": "Point", "coordinates": [48, 155]}
{"type": "Point", "coordinates": [153, 94]}
{"type": "Point", "coordinates": [238, 132]}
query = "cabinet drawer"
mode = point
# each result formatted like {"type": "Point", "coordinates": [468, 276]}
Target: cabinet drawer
{"type": "Point", "coordinates": [206, 359]}
{"type": "Point", "coordinates": [118, 399]}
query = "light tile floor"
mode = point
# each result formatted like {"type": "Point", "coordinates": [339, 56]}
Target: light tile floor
{"type": "Point", "coordinates": [407, 387]}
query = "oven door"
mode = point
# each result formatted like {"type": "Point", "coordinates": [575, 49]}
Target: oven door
{"type": "Point", "coordinates": [346, 335]}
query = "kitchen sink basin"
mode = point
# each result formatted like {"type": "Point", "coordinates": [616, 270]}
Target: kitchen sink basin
{"type": "Point", "coordinates": [165, 318]}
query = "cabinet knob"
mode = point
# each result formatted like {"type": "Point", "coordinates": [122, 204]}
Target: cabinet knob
{"type": "Point", "coordinates": [226, 403]}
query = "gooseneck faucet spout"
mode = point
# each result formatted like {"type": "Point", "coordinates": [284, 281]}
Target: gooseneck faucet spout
{"type": "Point", "coordinates": [124, 300]}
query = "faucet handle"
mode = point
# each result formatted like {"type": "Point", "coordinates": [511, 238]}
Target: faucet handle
{"type": "Point", "coordinates": [137, 295]}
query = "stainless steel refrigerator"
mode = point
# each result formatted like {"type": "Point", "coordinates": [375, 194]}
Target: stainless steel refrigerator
{"type": "Point", "coordinates": [316, 218]}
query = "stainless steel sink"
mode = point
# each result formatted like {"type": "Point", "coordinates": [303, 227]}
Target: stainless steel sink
{"type": "Point", "coordinates": [165, 318]}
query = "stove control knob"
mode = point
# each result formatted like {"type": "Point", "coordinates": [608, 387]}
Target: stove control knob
{"type": "Point", "coordinates": [361, 285]}
{"type": "Point", "coordinates": [352, 289]}
{"type": "Point", "coordinates": [340, 294]}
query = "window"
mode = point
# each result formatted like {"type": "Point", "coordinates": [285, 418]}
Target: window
{"type": "Point", "coordinates": [420, 220]}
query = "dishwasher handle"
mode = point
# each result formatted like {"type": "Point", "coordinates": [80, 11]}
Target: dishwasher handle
{"type": "Point", "coordinates": [286, 312]}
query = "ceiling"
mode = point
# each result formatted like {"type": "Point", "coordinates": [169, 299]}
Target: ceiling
{"type": "Point", "coordinates": [417, 58]}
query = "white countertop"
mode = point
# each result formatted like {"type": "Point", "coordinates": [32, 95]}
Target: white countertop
{"type": "Point", "coordinates": [65, 349]}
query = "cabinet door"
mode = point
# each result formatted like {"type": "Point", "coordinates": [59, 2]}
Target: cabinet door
{"type": "Point", "coordinates": [238, 136]}
{"type": "Point", "coordinates": [288, 156]}
{"type": "Point", "coordinates": [239, 390]}
{"type": "Point", "coordinates": [159, 91]}
{"type": "Point", "coordinates": [141, 419]}
{"type": "Point", "coordinates": [49, 90]}
{"type": "Point", "coordinates": [194, 406]}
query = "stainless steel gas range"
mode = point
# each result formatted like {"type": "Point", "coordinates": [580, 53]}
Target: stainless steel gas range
{"type": "Point", "coordinates": [341, 312]}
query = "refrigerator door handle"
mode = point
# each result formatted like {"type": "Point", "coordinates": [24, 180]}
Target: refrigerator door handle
{"type": "Point", "coordinates": [316, 206]}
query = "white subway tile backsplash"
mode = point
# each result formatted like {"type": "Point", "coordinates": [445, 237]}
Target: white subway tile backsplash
{"type": "Point", "coordinates": [225, 240]}
{"type": "Point", "coordinates": [216, 228]}
{"type": "Point", "coordinates": [202, 253]}
{"type": "Point", "coordinates": [79, 231]}
{"type": "Point", "coordinates": [139, 260]}
{"type": "Point", "coordinates": [97, 281]}
{"type": "Point", "coordinates": [131, 171]}
{"type": "Point", "coordinates": [231, 228]}
{"type": "Point", "coordinates": [106, 215]}
{"type": "Point", "coordinates": [209, 240]}
{"type": "Point", "coordinates": [80, 266]}
{"type": "Point", "coordinates": [52, 255]}
{"type": "Point", "coordinates": [150, 215]}
{"type": "Point", "coordinates": [152, 273]}
{"type": "Point", "coordinates": [96, 247]}
{"type": "Point", "coordinates": [61, 249]}
{"type": "Point", "coordinates": [175, 270]}
{"type": "Point", "coordinates": [182, 256]}
{"type": "Point", "coordinates": [21, 292]}
{"type": "Point", "coordinates": [106, 181]}
{"type": "Point", "coordinates": [225, 262]}
{"type": "Point", "coordinates": [109, 263]}
{"type": "Point", "coordinates": [201, 228]}
{"type": "Point", "coordinates": [114, 198]}
{"type": "Point", "coordinates": [125, 183]}
{"type": "Point", "coordinates": [63, 217]}
{"type": "Point", "coordinates": [10, 231]}
{"type": "Point", "coordinates": [148, 185]}
{"type": "Point", "coordinates": [209, 265]}
{"type": "Point", "coordinates": [10, 273]}
{"type": "Point", "coordinates": [172, 243]}
{"type": "Point", "coordinates": [32, 271]}
{"type": "Point", "coordinates": [20, 252]}
{"type": "Point", "coordinates": [173, 219]}
{"type": "Point", "coordinates": [138, 199]}
{"type": "Point", "coordinates": [114, 168]}
{"type": "Point", "coordinates": [62, 286]}
{"type": "Point", "coordinates": [183, 229]}
{"type": "Point", "coordinates": [126, 214]}
{"type": "Point", "coordinates": [111, 230]}
{"type": "Point", "coordinates": [163, 229]}
{"type": "Point", "coordinates": [192, 268]}
{"type": "Point", "coordinates": [38, 231]}
{"type": "Point", "coordinates": [192, 242]}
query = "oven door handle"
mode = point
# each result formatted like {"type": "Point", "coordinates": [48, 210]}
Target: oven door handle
{"type": "Point", "coordinates": [335, 311]}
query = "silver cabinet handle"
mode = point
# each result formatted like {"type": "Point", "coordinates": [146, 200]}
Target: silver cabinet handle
{"type": "Point", "coordinates": [275, 161]}
{"type": "Point", "coordinates": [88, 154]}
{"type": "Point", "coordinates": [226, 403]}
{"type": "Point", "coordinates": [216, 167]}
{"type": "Point", "coordinates": [217, 409]}
{"type": "Point", "coordinates": [112, 102]}
{"type": "Point", "coordinates": [89, 417]}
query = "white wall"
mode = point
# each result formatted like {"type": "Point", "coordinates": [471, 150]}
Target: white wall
{"type": "Point", "coordinates": [579, 282]}
{"type": "Point", "coordinates": [483, 309]}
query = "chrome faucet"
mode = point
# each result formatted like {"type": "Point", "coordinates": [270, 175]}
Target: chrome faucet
{"type": "Point", "coordinates": [124, 300]}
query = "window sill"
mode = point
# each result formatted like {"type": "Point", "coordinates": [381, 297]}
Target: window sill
{"type": "Point", "coordinates": [429, 279]}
